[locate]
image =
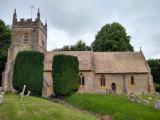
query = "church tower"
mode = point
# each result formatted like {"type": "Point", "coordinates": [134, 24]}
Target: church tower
{"type": "Point", "coordinates": [26, 35]}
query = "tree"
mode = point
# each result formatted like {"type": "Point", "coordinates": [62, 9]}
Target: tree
{"type": "Point", "coordinates": [112, 37]}
{"type": "Point", "coordinates": [28, 70]}
{"type": "Point", "coordinates": [155, 70]}
{"type": "Point", "coordinates": [79, 46]}
{"type": "Point", "coordinates": [5, 39]}
{"type": "Point", "coordinates": [65, 74]}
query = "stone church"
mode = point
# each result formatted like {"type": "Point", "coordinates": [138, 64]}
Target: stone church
{"type": "Point", "coordinates": [100, 72]}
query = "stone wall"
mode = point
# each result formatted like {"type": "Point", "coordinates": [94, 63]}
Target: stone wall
{"type": "Point", "coordinates": [123, 82]}
{"type": "Point", "coordinates": [89, 82]}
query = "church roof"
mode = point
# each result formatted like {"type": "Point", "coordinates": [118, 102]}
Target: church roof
{"type": "Point", "coordinates": [120, 62]}
{"type": "Point", "coordinates": [84, 58]}
{"type": "Point", "coordinates": [104, 62]}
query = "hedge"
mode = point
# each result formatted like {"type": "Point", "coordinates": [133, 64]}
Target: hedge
{"type": "Point", "coordinates": [28, 70]}
{"type": "Point", "coordinates": [65, 74]}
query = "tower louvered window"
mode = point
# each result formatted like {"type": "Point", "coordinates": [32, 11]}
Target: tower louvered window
{"type": "Point", "coordinates": [25, 39]}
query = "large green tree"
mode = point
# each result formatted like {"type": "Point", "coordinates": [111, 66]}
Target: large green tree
{"type": "Point", "coordinates": [65, 74]}
{"type": "Point", "coordinates": [79, 46]}
{"type": "Point", "coordinates": [112, 37]}
{"type": "Point", "coordinates": [28, 70]}
{"type": "Point", "coordinates": [5, 39]}
{"type": "Point", "coordinates": [155, 69]}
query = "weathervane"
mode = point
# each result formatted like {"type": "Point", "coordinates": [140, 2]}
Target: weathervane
{"type": "Point", "coordinates": [32, 7]}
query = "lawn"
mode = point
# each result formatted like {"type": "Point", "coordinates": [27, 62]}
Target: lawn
{"type": "Point", "coordinates": [119, 107]}
{"type": "Point", "coordinates": [34, 108]}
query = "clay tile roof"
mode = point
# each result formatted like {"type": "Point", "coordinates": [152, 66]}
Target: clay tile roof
{"type": "Point", "coordinates": [104, 62]}
{"type": "Point", "coordinates": [84, 58]}
{"type": "Point", "coordinates": [120, 62]}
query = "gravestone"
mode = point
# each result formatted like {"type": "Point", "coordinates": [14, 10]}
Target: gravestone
{"type": "Point", "coordinates": [22, 93]}
{"type": "Point", "coordinates": [145, 102]}
{"type": "Point", "coordinates": [157, 105]}
{"type": "Point", "coordinates": [1, 98]}
{"type": "Point", "coordinates": [29, 92]}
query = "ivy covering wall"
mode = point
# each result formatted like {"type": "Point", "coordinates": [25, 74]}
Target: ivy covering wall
{"type": "Point", "coordinates": [65, 74]}
{"type": "Point", "coordinates": [28, 70]}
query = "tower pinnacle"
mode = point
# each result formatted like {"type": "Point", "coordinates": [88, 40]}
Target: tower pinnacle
{"type": "Point", "coordinates": [14, 17]}
{"type": "Point", "coordinates": [38, 15]}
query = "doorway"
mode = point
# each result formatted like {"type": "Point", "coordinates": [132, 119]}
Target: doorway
{"type": "Point", "coordinates": [113, 87]}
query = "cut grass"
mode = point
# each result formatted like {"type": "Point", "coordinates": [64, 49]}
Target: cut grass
{"type": "Point", "coordinates": [33, 108]}
{"type": "Point", "coordinates": [119, 107]}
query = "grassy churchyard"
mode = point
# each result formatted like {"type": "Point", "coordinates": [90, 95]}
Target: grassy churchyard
{"type": "Point", "coordinates": [34, 108]}
{"type": "Point", "coordinates": [119, 107]}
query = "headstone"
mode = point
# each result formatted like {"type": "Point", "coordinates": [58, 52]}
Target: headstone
{"type": "Point", "coordinates": [157, 105]}
{"type": "Point", "coordinates": [22, 93]}
{"type": "Point", "coordinates": [138, 99]}
{"type": "Point", "coordinates": [156, 100]}
{"type": "Point", "coordinates": [132, 96]}
{"type": "Point", "coordinates": [145, 102]}
{"type": "Point", "coordinates": [29, 92]}
{"type": "Point", "coordinates": [157, 93]}
{"type": "Point", "coordinates": [1, 98]}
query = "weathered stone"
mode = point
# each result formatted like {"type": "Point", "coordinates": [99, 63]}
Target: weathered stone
{"type": "Point", "coordinates": [22, 93]}
{"type": "Point", "coordinates": [157, 100]}
{"type": "Point", "coordinates": [145, 102]}
{"type": "Point", "coordinates": [157, 105]}
{"type": "Point", "coordinates": [1, 98]}
{"type": "Point", "coordinates": [116, 67]}
{"type": "Point", "coordinates": [29, 92]}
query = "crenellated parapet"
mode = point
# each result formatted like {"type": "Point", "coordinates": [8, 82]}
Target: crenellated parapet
{"type": "Point", "coordinates": [29, 22]}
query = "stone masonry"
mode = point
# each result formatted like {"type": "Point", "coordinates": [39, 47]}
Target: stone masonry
{"type": "Point", "coordinates": [100, 72]}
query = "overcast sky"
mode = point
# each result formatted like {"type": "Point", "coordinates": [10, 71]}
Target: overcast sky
{"type": "Point", "coordinates": [72, 20]}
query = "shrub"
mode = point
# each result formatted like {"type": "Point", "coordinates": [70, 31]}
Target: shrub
{"type": "Point", "coordinates": [155, 69]}
{"type": "Point", "coordinates": [157, 87]}
{"type": "Point", "coordinates": [28, 70]}
{"type": "Point", "coordinates": [65, 73]}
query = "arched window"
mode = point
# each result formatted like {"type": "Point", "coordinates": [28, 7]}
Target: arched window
{"type": "Point", "coordinates": [132, 80]}
{"type": "Point", "coordinates": [82, 80]}
{"type": "Point", "coordinates": [102, 80]}
{"type": "Point", "coordinates": [25, 39]}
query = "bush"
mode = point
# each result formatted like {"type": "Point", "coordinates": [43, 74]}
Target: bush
{"type": "Point", "coordinates": [155, 69]}
{"type": "Point", "coordinates": [157, 87]}
{"type": "Point", "coordinates": [28, 70]}
{"type": "Point", "coordinates": [65, 73]}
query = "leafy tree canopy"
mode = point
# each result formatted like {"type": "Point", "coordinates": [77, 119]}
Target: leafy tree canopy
{"type": "Point", "coordinates": [5, 39]}
{"type": "Point", "coordinates": [79, 46]}
{"type": "Point", "coordinates": [155, 69]}
{"type": "Point", "coordinates": [112, 37]}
